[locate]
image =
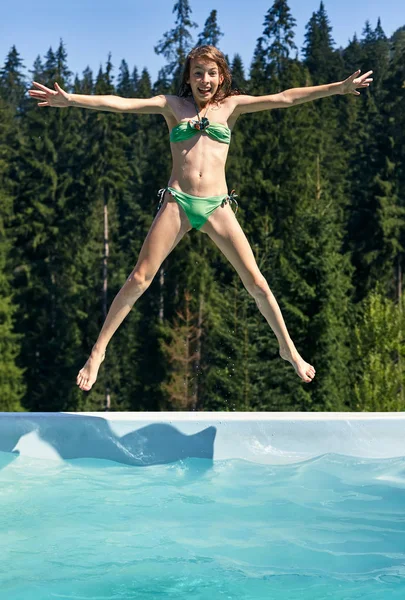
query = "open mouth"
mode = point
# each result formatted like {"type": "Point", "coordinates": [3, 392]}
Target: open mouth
{"type": "Point", "coordinates": [204, 91]}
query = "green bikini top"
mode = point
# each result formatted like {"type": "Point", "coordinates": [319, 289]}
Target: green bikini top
{"type": "Point", "coordinates": [187, 129]}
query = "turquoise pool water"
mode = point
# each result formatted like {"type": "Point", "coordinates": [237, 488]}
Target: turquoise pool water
{"type": "Point", "coordinates": [332, 527]}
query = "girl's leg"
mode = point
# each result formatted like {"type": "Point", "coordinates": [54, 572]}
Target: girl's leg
{"type": "Point", "coordinates": [225, 231]}
{"type": "Point", "coordinates": [166, 231]}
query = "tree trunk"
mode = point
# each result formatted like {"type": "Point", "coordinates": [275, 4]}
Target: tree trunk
{"type": "Point", "coordinates": [107, 405]}
{"type": "Point", "coordinates": [195, 396]}
{"type": "Point", "coordinates": [399, 293]}
{"type": "Point", "coordinates": [161, 301]}
{"type": "Point", "coordinates": [245, 358]}
{"type": "Point", "coordinates": [186, 385]}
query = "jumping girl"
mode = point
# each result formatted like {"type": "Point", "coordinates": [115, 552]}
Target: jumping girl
{"type": "Point", "coordinates": [200, 121]}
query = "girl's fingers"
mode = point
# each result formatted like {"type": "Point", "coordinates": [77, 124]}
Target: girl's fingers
{"type": "Point", "coordinates": [37, 94]}
{"type": "Point", "coordinates": [43, 87]}
{"type": "Point", "coordinates": [39, 85]}
{"type": "Point", "coordinates": [47, 90]}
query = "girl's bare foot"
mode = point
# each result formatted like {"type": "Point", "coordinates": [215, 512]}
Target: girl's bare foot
{"type": "Point", "coordinates": [303, 369]}
{"type": "Point", "coordinates": [88, 374]}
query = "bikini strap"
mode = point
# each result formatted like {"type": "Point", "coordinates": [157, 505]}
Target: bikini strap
{"type": "Point", "coordinates": [231, 198]}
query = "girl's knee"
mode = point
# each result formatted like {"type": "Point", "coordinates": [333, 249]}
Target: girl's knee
{"type": "Point", "coordinates": [257, 286]}
{"type": "Point", "coordinates": [139, 280]}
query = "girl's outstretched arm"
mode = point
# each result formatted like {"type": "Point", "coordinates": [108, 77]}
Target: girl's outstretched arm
{"type": "Point", "coordinates": [294, 96]}
{"type": "Point", "coordinates": [61, 99]}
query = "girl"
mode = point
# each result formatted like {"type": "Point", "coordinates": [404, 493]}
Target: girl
{"type": "Point", "coordinates": [200, 121]}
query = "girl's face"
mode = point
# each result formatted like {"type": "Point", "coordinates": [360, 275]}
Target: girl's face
{"type": "Point", "coordinates": [204, 79]}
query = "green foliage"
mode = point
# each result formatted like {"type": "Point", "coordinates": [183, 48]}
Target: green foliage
{"type": "Point", "coordinates": [12, 387]}
{"type": "Point", "coordinates": [379, 354]}
{"type": "Point", "coordinates": [321, 190]}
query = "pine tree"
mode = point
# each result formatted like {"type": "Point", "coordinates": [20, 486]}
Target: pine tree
{"type": "Point", "coordinates": [38, 69]}
{"type": "Point", "coordinates": [106, 171]}
{"type": "Point", "coordinates": [180, 350]}
{"type": "Point", "coordinates": [135, 78]}
{"type": "Point", "coordinates": [125, 86]}
{"type": "Point", "coordinates": [12, 80]}
{"type": "Point", "coordinates": [35, 231]}
{"type": "Point", "coordinates": [352, 55]}
{"type": "Point", "coordinates": [375, 202]}
{"type": "Point", "coordinates": [375, 56]}
{"type": "Point", "coordinates": [211, 33]}
{"type": "Point", "coordinates": [279, 38]}
{"type": "Point", "coordinates": [86, 85]}
{"type": "Point", "coordinates": [391, 224]}
{"type": "Point", "coordinates": [297, 163]}
{"type": "Point", "coordinates": [62, 72]}
{"type": "Point", "coordinates": [224, 367]}
{"type": "Point", "coordinates": [177, 42]}
{"type": "Point", "coordinates": [257, 74]}
{"type": "Point", "coordinates": [12, 386]}
{"type": "Point", "coordinates": [394, 108]}
{"type": "Point", "coordinates": [45, 216]}
{"type": "Point", "coordinates": [322, 62]}
{"type": "Point", "coordinates": [238, 73]}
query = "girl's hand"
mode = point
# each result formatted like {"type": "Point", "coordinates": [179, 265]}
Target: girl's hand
{"type": "Point", "coordinates": [58, 98]}
{"type": "Point", "coordinates": [349, 85]}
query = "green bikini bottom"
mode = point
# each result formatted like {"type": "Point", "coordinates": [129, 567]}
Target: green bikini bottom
{"type": "Point", "coordinates": [197, 209]}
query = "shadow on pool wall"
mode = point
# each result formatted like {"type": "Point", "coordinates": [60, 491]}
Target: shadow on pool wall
{"type": "Point", "coordinates": [152, 438]}
{"type": "Point", "coordinates": [92, 437]}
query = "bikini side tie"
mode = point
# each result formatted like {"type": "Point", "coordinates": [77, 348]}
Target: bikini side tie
{"type": "Point", "coordinates": [231, 198]}
{"type": "Point", "coordinates": [161, 195]}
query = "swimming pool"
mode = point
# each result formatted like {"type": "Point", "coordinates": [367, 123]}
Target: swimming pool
{"type": "Point", "coordinates": [230, 505]}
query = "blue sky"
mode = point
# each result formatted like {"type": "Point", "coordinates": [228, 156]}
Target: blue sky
{"type": "Point", "coordinates": [131, 28]}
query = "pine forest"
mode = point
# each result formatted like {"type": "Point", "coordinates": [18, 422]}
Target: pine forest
{"type": "Point", "coordinates": [321, 193]}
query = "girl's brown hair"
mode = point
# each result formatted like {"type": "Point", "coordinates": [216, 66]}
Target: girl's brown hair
{"type": "Point", "coordinates": [208, 53]}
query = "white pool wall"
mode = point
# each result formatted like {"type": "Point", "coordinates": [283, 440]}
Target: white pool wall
{"type": "Point", "coordinates": [147, 438]}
